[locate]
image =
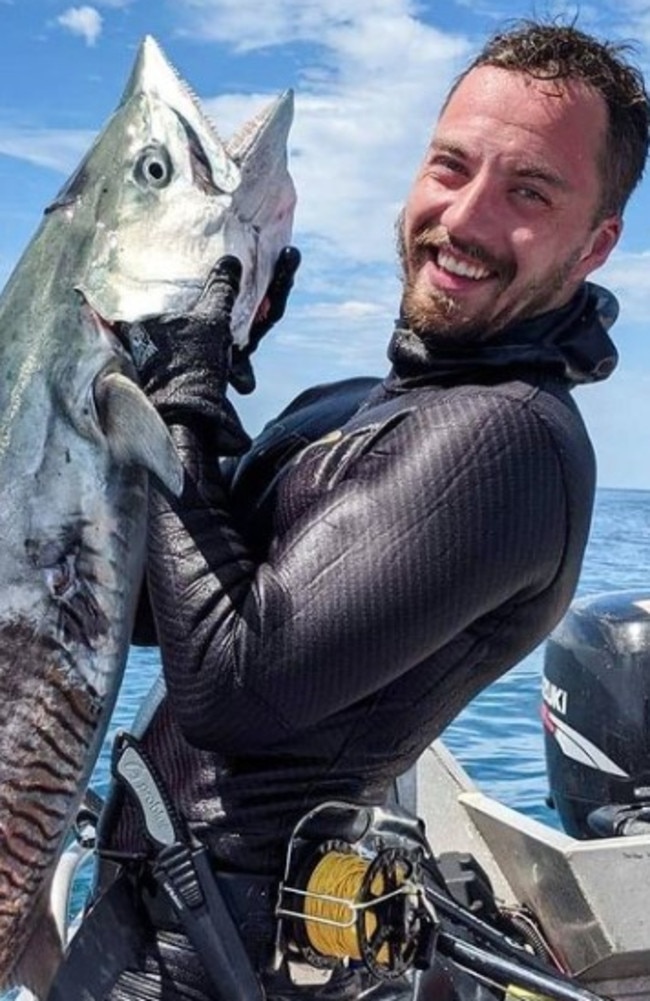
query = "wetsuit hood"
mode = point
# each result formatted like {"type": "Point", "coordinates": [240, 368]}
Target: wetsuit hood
{"type": "Point", "coordinates": [570, 343]}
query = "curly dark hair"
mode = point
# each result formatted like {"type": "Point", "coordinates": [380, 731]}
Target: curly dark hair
{"type": "Point", "coordinates": [561, 52]}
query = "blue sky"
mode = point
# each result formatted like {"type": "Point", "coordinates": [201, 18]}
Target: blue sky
{"type": "Point", "coordinates": [369, 77]}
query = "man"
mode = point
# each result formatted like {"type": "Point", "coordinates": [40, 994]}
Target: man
{"type": "Point", "coordinates": [385, 549]}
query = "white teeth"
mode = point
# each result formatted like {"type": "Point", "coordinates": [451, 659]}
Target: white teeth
{"type": "Point", "coordinates": [456, 267]}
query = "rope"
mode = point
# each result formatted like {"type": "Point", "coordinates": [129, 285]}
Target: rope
{"type": "Point", "coordinates": [336, 884]}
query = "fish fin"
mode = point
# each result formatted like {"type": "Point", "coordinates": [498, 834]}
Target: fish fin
{"type": "Point", "coordinates": [135, 431]}
{"type": "Point", "coordinates": [41, 957]}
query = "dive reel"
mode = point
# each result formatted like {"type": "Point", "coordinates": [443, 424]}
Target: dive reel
{"type": "Point", "coordinates": [361, 886]}
{"type": "Point", "coordinates": [353, 891]}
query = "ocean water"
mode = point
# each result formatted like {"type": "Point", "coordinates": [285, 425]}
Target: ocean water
{"type": "Point", "coordinates": [498, 738]}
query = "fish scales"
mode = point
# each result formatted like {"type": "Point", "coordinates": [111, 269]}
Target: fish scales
{"type": "Point", "coordinates": [133, 234]}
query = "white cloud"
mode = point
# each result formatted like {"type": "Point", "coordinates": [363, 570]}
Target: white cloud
{"type": "Point", "coordinates": [622, 21]}
{"type": "Point", "coordinates": [551, 10]}
{"type": "Point", "coordinates": [616, 411]}
{"type": "Point", "coordinates": [364, 111]}
{"type": "Point", "coordinates": [632, 22]}
{"type": "Point", "coordinates": [276, 22]}
{"type": "Point", "coordinates": [59, 150]}
{"type": "Point", "coordinates": [84, 21]}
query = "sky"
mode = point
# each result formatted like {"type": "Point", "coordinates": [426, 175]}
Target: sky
{"type": "Point", "coordinates": [369, 77]}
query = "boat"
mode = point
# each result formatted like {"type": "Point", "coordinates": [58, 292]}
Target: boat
{"type": "Point", "coordinates": [587, 886]}
{"type": "Point", "coordinates": [584, 890]}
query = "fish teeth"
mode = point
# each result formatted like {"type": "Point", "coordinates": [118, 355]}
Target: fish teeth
{"type": "Point", "coordinates": [193, 96]}
{"type": "Point", "coordinates": [239, 145]}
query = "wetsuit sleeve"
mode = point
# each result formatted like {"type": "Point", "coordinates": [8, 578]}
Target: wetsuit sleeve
{"type": "Point", "coordinates": [413, 533]}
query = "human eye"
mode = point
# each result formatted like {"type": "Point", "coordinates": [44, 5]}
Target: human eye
{"type": "Point", "coordinates": [447, 166]}
{"type": "Point", "coordinates": [531, 195]}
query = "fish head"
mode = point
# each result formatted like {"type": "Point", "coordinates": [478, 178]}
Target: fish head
{"type": "Point", "coordinates": [162, 198]}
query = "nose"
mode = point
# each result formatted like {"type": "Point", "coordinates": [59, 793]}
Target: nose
{"type": "Point", "coordinates": [473, 210]}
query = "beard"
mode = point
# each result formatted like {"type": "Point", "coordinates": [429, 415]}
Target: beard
{"type": "Point", "coordinates": [435, 315]}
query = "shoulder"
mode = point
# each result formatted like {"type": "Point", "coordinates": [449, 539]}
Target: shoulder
{"type": "Point", "coordinates": [485, 431]}
{"type": "Point", "coordinates": [512, 411]}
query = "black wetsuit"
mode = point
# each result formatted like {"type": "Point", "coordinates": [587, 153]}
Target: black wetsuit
{"type": "Point", "coordinates": [339, 602]}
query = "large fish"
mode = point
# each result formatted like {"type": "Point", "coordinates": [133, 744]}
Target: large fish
{"type": "Point", "coordinates": [134, 233]}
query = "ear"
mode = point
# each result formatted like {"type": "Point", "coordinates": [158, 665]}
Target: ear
{"type": "Point", "coordinates": [600, 243]}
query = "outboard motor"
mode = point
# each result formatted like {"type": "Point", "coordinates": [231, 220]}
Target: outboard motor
{"type": "Point", "coordinates": [596, 715]}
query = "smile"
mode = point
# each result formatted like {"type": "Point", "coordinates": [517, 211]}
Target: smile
{"type": "Point", "coordinates": [463, 268]}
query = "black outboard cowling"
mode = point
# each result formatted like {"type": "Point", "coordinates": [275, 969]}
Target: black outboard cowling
{"type": "Point", "coordinates": [596, 715]}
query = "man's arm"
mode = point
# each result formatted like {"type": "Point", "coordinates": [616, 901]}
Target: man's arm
{"type": "Point", "coordinates": [410, 535]}
{"type": "Point", "coordinates": [231, 363]}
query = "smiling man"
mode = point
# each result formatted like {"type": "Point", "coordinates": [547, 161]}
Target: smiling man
{"type": "Point", "coordinates": [508, 214]}
{"type": "Point", "coordinates": [385, 548]}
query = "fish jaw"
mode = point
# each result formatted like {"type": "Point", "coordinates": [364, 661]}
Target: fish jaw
{"type": "Point", "coordinates": [261, 222]}
{"type": "Point", "coordinates": [168, 199]}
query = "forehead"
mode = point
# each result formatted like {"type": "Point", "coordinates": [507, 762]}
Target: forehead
{"type": "Point", "coordinates": [502, 110]}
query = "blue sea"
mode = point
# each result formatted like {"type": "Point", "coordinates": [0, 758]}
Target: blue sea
{"type": "Point", "coordinates": [498, 738]}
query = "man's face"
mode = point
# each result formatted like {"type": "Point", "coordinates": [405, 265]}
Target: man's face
{"type": "Point", "coordinates": [500, 222]}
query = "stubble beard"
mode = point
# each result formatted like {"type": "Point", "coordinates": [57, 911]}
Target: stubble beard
{"type": "Point", "coordinates": [435, 315]}
{"type": "Point", "coordinates": [432, 314]}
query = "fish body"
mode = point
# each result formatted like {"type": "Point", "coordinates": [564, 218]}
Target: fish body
{"type": "Point", "coordinates": [157, 200]}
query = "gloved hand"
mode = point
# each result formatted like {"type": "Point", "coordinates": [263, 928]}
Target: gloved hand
{"type": "Point", "coordinates": [184, 362]}
{"type": "Point", "coordinates": [242, 377]}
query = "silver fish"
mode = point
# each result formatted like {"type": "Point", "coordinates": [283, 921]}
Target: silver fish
{"type": "Point", "coordinates": [134, 232]}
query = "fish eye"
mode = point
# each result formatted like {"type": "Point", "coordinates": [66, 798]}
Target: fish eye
{"type": "Point", "coordinates": [153, 167]}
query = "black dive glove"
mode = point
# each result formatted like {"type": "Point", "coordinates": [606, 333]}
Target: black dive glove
{"type": "Point", "coordinates": [184, 362]}
{"type": "Point", "coordinates": [242, 377]}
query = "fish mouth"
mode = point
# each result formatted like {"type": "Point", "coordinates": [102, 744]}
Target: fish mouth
{"type": "Point", "coordinates": [174, 299]}
{"type": "Point", "coordinates": [132, 299]}
{"type": "Point", "coordinates": [116, 331]}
